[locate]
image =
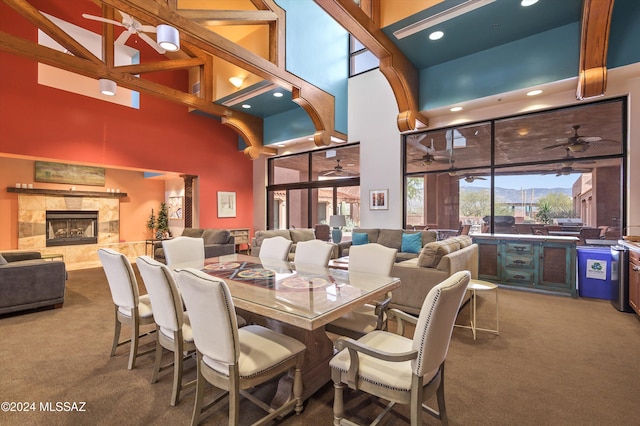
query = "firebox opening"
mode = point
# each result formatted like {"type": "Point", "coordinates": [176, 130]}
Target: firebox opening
{"type": "Point", "coordinates": [71, 227]}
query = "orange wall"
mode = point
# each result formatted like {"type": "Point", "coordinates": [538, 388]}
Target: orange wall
{"type": "Point", "coordinates": [42, 122]}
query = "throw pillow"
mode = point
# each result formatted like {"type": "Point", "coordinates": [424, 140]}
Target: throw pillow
{"type": "Point", "coordinates": [432, 253]}
{"type": "Point", "coordinates": [411, 243]}
{"type": "Point", "coordinates": [3, 261]}
{"type": "Point", "coordinates": [359, 238]}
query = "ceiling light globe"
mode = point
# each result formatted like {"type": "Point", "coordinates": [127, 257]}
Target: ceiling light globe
{"type": "Point", "coordinates": [436, 35]}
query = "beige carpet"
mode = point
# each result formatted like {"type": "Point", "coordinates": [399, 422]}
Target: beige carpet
{"type": "Point", "coordinates": [557, 361]}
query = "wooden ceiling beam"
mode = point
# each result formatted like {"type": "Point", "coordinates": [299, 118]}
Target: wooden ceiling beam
{"type": "Point", "coordinates": [594, 41]}
{"type": "Point", "coordinates": [229, 17]}
{"type": "Point", "coordinates": [319, 104]}
{"type": "Point", "coordinates": [394, 65]}
{"type": "Point", "coordinates": [34, 16]}
{"type": "Point", "coordinates": [175, 64]}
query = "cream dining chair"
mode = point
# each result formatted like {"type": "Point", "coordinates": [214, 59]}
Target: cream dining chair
{"type": "Point", "coordinates": [130, 308]}
{"type": "Point", "coordinates": [373, 259]}
{"type": "Point", "coordinates": [313, 252]}
{"type": "Point", "coordinates": [235, 359]}
{"type": "Point", "coordinates": [398, 369]}
{"type": "Point", "coordinates": [275, 248]}
{"type": "Point", "coordinates": [173, 329]}
{"type": "Point", "coordinates": [184, 252]}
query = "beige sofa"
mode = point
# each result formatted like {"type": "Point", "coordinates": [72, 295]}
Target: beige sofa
{"type": "Point", "coordinates": [295, 235]}
{"type": "Point", "coordinates": [436, 262]}
{"type": "Point", "coordinates": [217, 242]}
{"type": "Point", "coordinates": [391, 238]}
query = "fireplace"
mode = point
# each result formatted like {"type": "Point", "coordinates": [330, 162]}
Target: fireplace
{"type": "Point", "coordinates": [71, 227]}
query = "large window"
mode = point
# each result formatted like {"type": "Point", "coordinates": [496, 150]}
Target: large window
{"type": "Point", "coordinates": [308, 188]}
{"type": "Point", "coordinates": [555, 172]}
{"type": "Point", "coordinates": [360, 58]}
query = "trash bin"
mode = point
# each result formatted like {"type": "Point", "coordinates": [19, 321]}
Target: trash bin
{"type": "Point", "coordinates": [597, 271]}
{"type": "Point", "coordinates": [620, 301]}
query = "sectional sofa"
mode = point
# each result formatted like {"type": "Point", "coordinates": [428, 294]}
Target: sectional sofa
{"type": "Point", "coordinates": [295, 235]}
{"type": "Point", "coordinates": [27, 281]}
{"type": "Point", "coordinates": [217, 242]}
{"type": "Point", "coordinates": [393, 238]}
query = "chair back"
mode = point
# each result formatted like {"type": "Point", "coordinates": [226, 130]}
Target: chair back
{"type": "Point", "coordinates": [275, 248]}
{"type": "Point", "coordinates": [435, 323]}
{"type": "Point", "coordinates": [372, 258]}
{"type": "Point", "coordinates": [184, 252]}
{"type": "Point", "coordinates": [211, 314]}
{"type": "Point", "coordinates": [163, 293]}
{"type": "Point", "coordinates": [323, 232]}
{"type": "Point", "coordinates": [121, 278]}
{"type": "Point", "coordinates": [313, 252]}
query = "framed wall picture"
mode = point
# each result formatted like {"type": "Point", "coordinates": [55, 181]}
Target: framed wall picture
{"type": "Point", "coordinates": [175, 207]}
{"type": "Point", "coordinates": [226, 204]}
{"type": "Point", "coordinates": [379, 199]}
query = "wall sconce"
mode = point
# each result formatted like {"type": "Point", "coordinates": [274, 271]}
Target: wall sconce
{"type": "Point", "coordinates": [168, 37]}
{"type": "Point", "coordinates": [236, 81]}
{"type": "Point", "coordinates": [107, 87]}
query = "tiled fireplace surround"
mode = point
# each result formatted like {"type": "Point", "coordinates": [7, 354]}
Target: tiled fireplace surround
{"type": "Point", "coordinates": [32, 210]}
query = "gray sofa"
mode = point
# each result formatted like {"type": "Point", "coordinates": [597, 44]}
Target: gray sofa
{"type": "Point", "coordinates": [27, 282]}
{"type": "Point", "coordinates": [390, 238]}
{"type": "Point", "coordinates": [295, 235]}
{"type": "Point", "coordinates": [217, 242]}
{"type": "Point", "coordinates": [436, 262]}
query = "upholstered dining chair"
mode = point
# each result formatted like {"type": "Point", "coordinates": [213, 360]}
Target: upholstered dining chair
{"type": "Point", "coordinates": [173, 329]}
{"type": "Point", "coordinates": [398, 369]}
{"type": "Point", "coordinates": [313, 252]}
{"type": "Point", "coordinates": [235, 359]}
{"type": "Point", "coordinates": [184, 252]}
{"type": "Point", "coordinates": [322, 231]}
{"type": "Point", "coordinates": [376, 259]}
{"type": "Point", "coordinates": [130, 308]}
{"type": "Point", "coordinates": [275, 248]}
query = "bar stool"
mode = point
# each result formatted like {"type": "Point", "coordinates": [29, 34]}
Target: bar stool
{"type": "Point", "coordinates": [474, 286]}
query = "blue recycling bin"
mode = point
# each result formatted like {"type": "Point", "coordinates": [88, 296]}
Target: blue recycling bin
{"type": "Point", "coordinates": [597, 273]}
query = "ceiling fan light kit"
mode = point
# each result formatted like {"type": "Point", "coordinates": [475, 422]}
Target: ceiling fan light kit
{"type": "Point", "coordinates": [168, 37]}
{"type": "Point", "coordinates": [107, 87]}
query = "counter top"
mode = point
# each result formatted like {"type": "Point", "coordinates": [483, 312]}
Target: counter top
{"type": "Point", "coordinates": [530, 237]}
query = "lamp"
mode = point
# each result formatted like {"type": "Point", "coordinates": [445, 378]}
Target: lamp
{"type": "Point", "coordinates": [168, 37]}
{"type": "Point", "coordinates": [236, 81]}
{"type": "Point", "coordinates": [107, 87]}
{"type": "Point", "coordinates": [336, 221]}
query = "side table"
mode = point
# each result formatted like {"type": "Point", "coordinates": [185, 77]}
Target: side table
{"type": "Point", "coordinates": [475, 286]}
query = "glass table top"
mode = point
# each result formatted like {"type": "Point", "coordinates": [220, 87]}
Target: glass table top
{"type": "Point", "coordinates": [305, 292]}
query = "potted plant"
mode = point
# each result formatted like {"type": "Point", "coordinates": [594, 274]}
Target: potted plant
{"type": "Point", "coordinates": [163, 222]}
{"type": "Point", "coordinates": [151, 223]}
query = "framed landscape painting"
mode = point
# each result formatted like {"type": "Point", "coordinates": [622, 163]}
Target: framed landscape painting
{"type": "Point", "coordinates": [226, 204]}
{"type": "Point", "coordinates": [379, 199]}
{"type": "Point", "coordinates": [49, 172]}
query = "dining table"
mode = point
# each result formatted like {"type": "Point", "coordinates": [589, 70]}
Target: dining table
{"type": "Point", "coordinates": [298, 301]}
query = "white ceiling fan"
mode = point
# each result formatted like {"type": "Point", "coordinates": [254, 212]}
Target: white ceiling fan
{"type": "Point", "coordinates": [132, 26]}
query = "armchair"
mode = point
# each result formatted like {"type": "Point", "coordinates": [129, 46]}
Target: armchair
{"type": "Point", "coordinates": [384, 372]}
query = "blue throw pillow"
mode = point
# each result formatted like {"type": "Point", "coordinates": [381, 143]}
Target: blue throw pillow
{"type": "Point", "coordinates": [411, 243]}
{"type": "Point", "coordinates": [359, 238]}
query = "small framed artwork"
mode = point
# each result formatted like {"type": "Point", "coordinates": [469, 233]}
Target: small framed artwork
{"type": "Point", "coordinates": [379, 199]}
{"type": "Point", "coordinates": [226, 204]}
{"type": "Point", "coordinates": [175, 207]}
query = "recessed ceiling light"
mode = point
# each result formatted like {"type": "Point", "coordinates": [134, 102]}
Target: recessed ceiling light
{"type": "Point", "coordinates": [278, 94]}
{"type": "Point", "coordinates": [246, 106]}
{"type": "Point", "coordinates": [436, 35]}
{"type": "Point", "coordinates": [456, 109]}
{"type": "Point", "coordinates": [534, 92]}
{"type": "Point", "coordinates": [525, 3]}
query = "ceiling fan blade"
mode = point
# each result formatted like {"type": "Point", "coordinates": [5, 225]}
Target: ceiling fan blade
{"type": "Point", "coordinates": [554, 146]}
{"type": "Point", "coordinates": [148, 28]}
{"type": "Point", "coordinates": [589, 139]}
{"type": "Point", "coordinates": [122, 38]}
{"type": "Point", "coordinates": [101, 19]}
{"type": "Point", "coordinates": [151, 42]}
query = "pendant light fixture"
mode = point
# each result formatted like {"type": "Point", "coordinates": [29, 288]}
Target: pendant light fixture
{"type": "Point", "coordinates": [107, 87]}
{"type": "Point", "coordinates": [168, 37]}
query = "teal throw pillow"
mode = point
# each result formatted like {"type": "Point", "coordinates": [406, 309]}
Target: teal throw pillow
{"type": "Point", "coordinates": [359, 238]}
{"type": "Point", "coordinates": [411, 243]}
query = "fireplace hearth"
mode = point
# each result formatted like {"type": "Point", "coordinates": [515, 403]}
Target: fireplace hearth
{"type": "Point", "coordinates": [71, 227]}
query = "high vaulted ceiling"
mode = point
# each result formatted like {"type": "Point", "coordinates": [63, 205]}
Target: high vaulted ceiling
{"type": "Point", "coordinates": [246, 38]}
